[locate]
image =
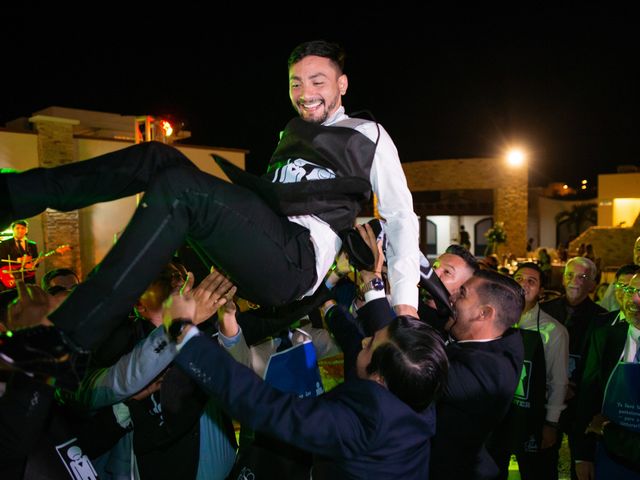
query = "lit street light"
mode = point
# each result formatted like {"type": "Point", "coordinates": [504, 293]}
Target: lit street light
{"type": "Point", "coordinates": [515, 157]}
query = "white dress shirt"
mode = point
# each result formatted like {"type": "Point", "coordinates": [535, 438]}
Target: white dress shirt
{"type": "Point", "coordinates": [631, 345]}
{"type": "Point", "coordinates": [395, 205]}
{"type": "Point", "coordinates": [555, 340]}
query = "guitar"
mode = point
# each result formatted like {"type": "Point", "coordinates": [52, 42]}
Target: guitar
{"type": "Point", "coordinates": [26, 269]}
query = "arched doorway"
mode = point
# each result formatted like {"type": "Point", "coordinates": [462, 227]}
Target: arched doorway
{"type": "Point", "coordinates": [479, 229]}
{"type": "Point", "coordinates": [507, 184]}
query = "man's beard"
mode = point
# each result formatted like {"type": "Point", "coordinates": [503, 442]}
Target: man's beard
{"type": "Point", "coordinates": [323, 118]}
{"type": "Point", "coordinates": [318, 121]}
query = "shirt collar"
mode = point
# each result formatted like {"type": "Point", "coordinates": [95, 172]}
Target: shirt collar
{"type": "Point", "coordinates": [336, 117]}
{"type": "Point", "coordinates": [479, 340]}
{"type": "Point", "coordinates": [634, 333]}
{"type": "Point", "coordinates": [533, 313]}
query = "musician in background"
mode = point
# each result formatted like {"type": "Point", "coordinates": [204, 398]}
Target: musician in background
{"type": "Point", "coordinates": [17, 253]}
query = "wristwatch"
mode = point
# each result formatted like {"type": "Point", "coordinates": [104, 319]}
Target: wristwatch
{"type": "Point", "coordinates": [375, 283]}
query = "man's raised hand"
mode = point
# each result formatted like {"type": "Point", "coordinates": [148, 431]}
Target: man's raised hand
{"type": "Point", "coordinates": [212, 293]}
{"type": "Point", "coordinates": [30, 308]}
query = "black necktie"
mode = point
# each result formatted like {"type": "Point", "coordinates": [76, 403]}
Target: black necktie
{"type": "Point", "coordinates": [569, 320]}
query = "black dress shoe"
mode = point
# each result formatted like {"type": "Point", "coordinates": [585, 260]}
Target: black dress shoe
{"type": "Point", "coordinates": [46, 354]}
{"type": "Point", "coordinates": [360, 255]}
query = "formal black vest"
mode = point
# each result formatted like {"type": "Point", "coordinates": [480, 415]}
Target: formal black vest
{"type": "Point", "coordinates": [338, 201]}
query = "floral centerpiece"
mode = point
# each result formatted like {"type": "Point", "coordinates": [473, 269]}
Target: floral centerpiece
{"type": "Point", "coordinates": [495, 236]}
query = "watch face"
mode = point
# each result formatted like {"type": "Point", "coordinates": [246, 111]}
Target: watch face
{"type": "Point", "coordinates": [377, 284]}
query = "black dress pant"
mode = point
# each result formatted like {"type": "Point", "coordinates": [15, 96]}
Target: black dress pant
{"type": "Point", "coordinates": [269, 258]}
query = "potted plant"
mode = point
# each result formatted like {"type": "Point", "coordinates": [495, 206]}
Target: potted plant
{"type": "Point", "coordinates": [495, 237]}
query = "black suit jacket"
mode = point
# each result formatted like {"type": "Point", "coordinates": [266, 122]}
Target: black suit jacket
{"type": "Point", "coordinates": [9, 248]}
{"type": "Point", "coordinates": [357, 430]}
{"type": "Point", "coordinates": [483, 377]}
{"type": "Point", "coordinates": [606, 347]}
{"type": "Point", "coordinates": [580, 322]}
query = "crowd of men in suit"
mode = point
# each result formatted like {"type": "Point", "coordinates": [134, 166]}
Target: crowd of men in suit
{"type": "Point", "coordinates": [444, 382]}
{"type": "Point", "coordinates": [514, 378]}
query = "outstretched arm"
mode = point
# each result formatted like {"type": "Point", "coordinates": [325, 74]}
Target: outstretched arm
{"type": "Point", "coordinates": [324, 425]}
{"type": "Point", "coordinates": [130, 374]}
{"type": "Point", "coordinates": [395, 205]}
{"type": "Point", "coordinates": [374, 315]}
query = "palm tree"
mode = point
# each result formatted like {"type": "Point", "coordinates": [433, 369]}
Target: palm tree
{"type": "Point", "coordinates": [579, 218]}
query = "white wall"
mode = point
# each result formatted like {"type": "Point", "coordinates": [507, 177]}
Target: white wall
{"type": "Point", "coordinates": [449, 226]}
{"type": "Point", "coordinates": [548, 209]}
{"type": "Point", "coordinates": [443, 235]}
{"type": "Point", "coordinates": [469, 222]}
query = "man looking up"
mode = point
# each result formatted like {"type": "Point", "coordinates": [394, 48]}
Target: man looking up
{"type": "Point", "coordinates": [485, 359]}
{"type": "Point", "coordinates": [324, 168]}
{"type": "Point", "coordinates": [454, 267]}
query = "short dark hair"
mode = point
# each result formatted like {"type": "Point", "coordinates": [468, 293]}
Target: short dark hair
{"type": "Point", "coordinates": [465, 254]}
{"type": "Point", "coordinates": [24, 223]}
{"type": "Point", "coordinates": [532, 266]}
{"type": "Point", "coordinates": [504, 294]}
{"type": "Point", "coordinates": [319, 48]}
{"type": "Point", "coordinates": [413, 363]}
{"type": "Point", "coordinates": [45, 283]}
{"type": "Point", "coordinates": [628, 269]}
{"type": "Point", "coordinates": [172, 276]}
{"type": "Point", "coordinates": [56, 289]}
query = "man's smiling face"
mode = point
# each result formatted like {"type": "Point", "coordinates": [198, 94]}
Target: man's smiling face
{"type": "Point", "coordinates": [316, 86]}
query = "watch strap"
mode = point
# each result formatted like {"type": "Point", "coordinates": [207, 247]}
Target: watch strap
{"type": "Point", "coordinates": [375, 283]}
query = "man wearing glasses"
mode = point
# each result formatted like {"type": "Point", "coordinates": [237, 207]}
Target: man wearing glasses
{"type": "Point", "coordinates": [580, 315]}
{"type": "Point", "coordinates": [610, 381]}
{"type": "Point", "coordinates": [622, 278]}
{"type": "Point", "coordinates": [610, 300]}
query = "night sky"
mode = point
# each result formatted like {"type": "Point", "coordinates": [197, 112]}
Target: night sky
{"type": "Point", "coordinates": [445, 83]}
